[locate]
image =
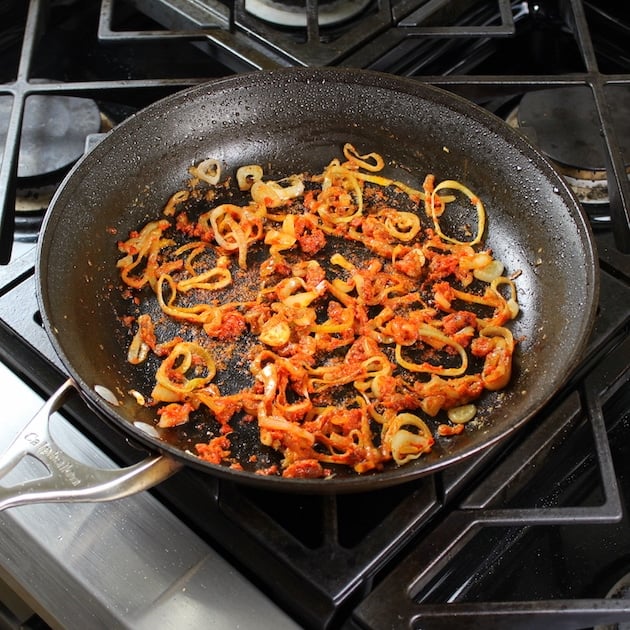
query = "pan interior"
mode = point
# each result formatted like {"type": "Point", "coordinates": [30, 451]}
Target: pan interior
{"type": "Point", "coordinates": [295, 121]}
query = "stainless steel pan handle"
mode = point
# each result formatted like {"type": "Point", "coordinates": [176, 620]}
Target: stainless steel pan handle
{"type": "Point", "coordinates": [69, 480]}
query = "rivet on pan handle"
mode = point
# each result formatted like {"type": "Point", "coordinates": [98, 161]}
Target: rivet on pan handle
{"type": "Point", "coordinates": [69, 480]}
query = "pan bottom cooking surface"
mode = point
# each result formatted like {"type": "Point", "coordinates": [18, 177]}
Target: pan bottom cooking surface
{"type": "Point", "coordinates": [361, 271]}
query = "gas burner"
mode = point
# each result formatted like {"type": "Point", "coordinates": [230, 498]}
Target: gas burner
{"type": "Point", "coordinates": [53, 132]}
{"type": "Point", "coordinates": [621, 590]}
{"type": "Point", "coordinates": [294, 13]}
{"type": "Point", "coordinates": [564, 125]}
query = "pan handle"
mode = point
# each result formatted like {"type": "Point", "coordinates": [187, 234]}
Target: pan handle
{"type": "Point", "coordinates": [69, 480]}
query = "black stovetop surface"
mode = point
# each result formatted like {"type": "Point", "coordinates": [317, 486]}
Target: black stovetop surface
{"type": "Point", "coordinates": [532, 533]}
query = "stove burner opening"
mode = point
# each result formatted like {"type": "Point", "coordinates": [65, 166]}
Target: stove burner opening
{"type": "Point", "coordinates": [54, 133]}
{"type": "Point", "coordinates": [294, 13]}
{"type": "Point", "coordinates": [563, 124]}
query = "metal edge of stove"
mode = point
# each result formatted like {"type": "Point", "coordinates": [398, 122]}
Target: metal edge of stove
{"type": "Point", "coordinates": [63, 561]}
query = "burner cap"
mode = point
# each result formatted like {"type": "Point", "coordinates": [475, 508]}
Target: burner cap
{"type": "Point", "coordinates": [621, 590]}
{"type": "Point", "coordinates": [292, 13]}
{"type": "Point", "coordinates": [566, 127]}
{"type": "Point", "coordinates": [53, 131]}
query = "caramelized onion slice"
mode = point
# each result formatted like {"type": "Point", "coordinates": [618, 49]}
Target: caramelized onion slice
{"type": "Point", "coordinates": [247, 175]}
{"type": "Point", "coordinates": [462, 414]}
{"type": "Point", "coordinates": [409, 445]}
{"type": "Point", "coordinates": [208, 170]}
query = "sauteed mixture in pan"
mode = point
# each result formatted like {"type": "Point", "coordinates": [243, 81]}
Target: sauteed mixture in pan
{"type": "Point", "coordinates": [344, 316]}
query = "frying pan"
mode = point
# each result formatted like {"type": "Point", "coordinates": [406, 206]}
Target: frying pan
{"type": "Point", "coordinates": [296, 120]}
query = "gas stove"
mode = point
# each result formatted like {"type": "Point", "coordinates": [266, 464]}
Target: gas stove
{"type": "Point", "coordinates": [532, 533]}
